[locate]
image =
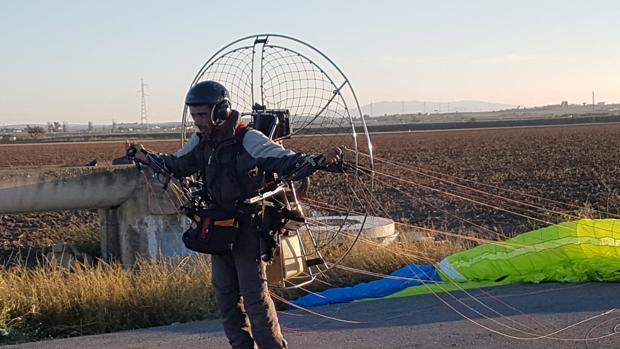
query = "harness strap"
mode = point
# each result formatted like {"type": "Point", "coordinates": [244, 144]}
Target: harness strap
{"type": "Point", "coordinates": [205, 228]}
{"type": "Point", "coordinates": [240, 133]}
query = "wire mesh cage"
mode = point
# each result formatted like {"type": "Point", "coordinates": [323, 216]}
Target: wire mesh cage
{"type": "Point", "coordinates": [277, 72]}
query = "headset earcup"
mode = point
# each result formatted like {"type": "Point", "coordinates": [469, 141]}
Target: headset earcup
{"type": "Point", "coordinates": [226, 110]}
{"type": "Point", "coordinates": [221, 111]}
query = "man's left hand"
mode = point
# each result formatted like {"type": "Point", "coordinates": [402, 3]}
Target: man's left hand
{"type": "Point", "coordinates": [331, 157]}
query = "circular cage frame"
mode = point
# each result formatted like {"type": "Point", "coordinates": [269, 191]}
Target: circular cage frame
{"type": "Point", "coordinates": [258, 44]}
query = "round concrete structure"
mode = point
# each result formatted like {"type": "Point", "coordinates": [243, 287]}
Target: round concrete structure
{"type": "Point", "coordinates": [378, 229]}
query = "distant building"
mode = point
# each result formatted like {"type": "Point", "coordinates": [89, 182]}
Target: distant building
{"type": "Point", "coordinates": [9, 130]}
{"type": "Point", "coordinates": [8, 138]}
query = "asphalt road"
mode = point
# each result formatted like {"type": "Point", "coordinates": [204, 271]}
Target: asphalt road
{"type": "Point", "coordinates": [578, 312]}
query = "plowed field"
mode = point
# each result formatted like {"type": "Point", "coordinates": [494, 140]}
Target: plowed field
{"type": "Point", "coordinates": [474, 181]}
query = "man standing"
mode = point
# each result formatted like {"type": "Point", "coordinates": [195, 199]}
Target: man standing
{"type": "Point", "coordinates": [233, 168]}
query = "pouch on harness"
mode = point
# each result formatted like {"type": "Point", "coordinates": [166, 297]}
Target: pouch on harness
{"type": "Point", "coordinates": [212, 232]}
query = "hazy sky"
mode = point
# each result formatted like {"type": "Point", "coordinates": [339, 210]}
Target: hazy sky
{"type": "Point", "coordinates": [82, 60]}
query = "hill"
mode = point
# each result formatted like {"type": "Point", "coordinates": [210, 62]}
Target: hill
{"type": "Point", "coordinates": [414, 107]}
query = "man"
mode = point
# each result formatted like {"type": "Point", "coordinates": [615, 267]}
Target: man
{"type": "Point", "coordinates": [233, 168]}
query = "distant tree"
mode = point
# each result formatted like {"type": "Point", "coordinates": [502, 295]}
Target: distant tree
{"type": "Point", "coordinates": [90, 126]}
{"type": "Point", "coordinates": [54, 127]}
{"type": "Point", "coordinates": [35, 131]}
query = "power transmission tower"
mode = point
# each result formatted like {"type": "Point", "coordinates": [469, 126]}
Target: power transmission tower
{"type": "Point", "coordinates": [144, 120]}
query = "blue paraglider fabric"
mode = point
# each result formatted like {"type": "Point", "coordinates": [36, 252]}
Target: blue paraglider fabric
{"type": "Point", "coordinates": [374, 289]}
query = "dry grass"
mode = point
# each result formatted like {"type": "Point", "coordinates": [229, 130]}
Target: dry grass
{"type": "Point", "coordinates": [49, 301]}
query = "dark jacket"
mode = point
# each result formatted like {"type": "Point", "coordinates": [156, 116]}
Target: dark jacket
{"type": "Point", "coordinates": [235, 168]}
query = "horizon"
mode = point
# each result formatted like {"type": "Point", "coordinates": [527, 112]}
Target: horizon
{"type": "Point", "coordinates": [87, 58]}
{"type": "Point", "coordinates": [407, 113]}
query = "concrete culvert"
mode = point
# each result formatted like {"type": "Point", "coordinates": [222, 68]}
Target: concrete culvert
{"type": "Point", "coordinates": [378, 229]}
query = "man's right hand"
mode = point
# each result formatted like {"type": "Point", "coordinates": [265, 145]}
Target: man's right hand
{"type": "Point", "coordinates": [137, 152]}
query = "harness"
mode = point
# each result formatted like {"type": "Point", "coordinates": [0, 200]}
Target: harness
{"type": "Point", "coordinates": [215, 223]}
{"type": "Point", "coordinates": [214, 228]}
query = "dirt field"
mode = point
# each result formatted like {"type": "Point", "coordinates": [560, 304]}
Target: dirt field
{"type": "Point", "coordinates": [578, 166]}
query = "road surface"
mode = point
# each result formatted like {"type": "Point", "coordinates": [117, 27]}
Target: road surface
{"type": "Point", "coordinates": [416, 322]}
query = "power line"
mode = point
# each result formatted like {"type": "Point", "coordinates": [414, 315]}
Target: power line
{"type": "Point", "coordinates": [144, 120]}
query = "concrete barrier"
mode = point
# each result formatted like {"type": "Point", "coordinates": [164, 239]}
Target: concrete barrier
{"type": "Point", "coordinates": [33, 190]}
{"type": "Point", "coordinates": [138, 218]}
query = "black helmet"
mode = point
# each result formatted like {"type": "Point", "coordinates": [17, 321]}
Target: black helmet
{"type": "Point", "coordinates": [206, 92]}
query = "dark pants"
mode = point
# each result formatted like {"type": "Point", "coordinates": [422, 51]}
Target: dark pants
{"type": "Point", "coordinates": [243, 299]}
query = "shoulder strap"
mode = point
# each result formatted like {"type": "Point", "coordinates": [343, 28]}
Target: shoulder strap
{"type": "Point", "coordinates": [240, 132]}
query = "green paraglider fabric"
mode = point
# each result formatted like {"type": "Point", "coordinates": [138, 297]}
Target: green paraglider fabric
{"type": "Point", "coordinates": [575, 251]}
{"type": "Point", "coordinates": [443, 287]}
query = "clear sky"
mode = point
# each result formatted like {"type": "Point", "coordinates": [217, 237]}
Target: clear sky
{"type": "Point", "coordinates": [77, 61]}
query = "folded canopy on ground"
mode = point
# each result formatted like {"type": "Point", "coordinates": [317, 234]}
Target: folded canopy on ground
{"type": "Point", "coordinates": [575, 251]}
